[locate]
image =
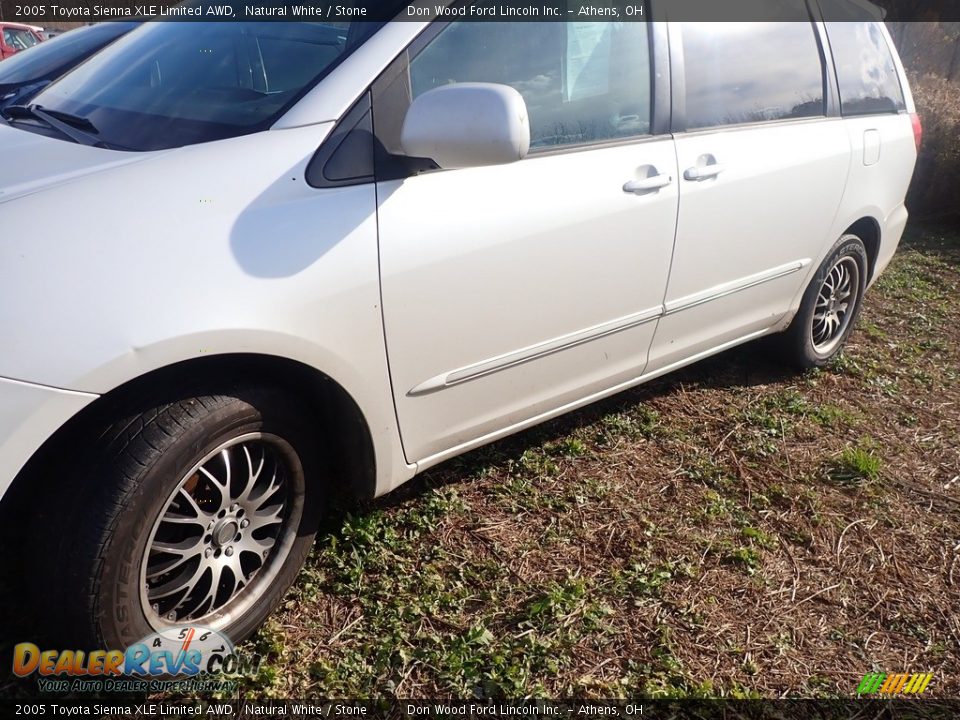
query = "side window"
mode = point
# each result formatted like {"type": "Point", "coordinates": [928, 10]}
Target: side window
{"type": "Point", "coordinates": [866, 72]}
{"type": "Point", "coordinates": [751, 72]}
{"type": "Point", "coordinates": [582, 82]}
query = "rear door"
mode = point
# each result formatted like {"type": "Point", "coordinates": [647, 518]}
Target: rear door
{"type": "Point", "coordinates": [763, 159]}
{"type": "Point", "coordinates": [512, 291]}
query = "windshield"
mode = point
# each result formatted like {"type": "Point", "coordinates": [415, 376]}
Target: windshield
{"type": "Point", "coordinates": [169, 84]}
{"type": "Point", "coordinates": [55, 56]}
{"type": "Point", "coordinates": [19, 39]}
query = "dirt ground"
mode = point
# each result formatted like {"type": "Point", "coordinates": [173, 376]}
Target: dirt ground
{"type": "Point", "coordinates": [735, 529]}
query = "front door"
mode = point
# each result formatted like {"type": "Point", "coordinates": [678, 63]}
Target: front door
{"type": "Point", "coordinates": [512, 291]}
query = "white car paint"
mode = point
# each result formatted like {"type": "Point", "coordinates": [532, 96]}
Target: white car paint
{"type": "Point", "coordinates": [744, 245]}
{"type": "Point", "coordinates": [535, 269]}
{"type": "Point", "coordinates": [276, 267]}
{"type": "Point", "coordinates": [510, 294]}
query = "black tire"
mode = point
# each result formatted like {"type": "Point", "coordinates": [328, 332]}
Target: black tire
{"type": "Point", "coordinates": [94, 572]}
{"type": "Point", "coordinates": [797, 345]}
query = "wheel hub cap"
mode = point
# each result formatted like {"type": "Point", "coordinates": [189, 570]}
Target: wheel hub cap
{"type": "Point", "coordinates": [836, 302]}
{"type": "Point", "coordinates": [223, 532]}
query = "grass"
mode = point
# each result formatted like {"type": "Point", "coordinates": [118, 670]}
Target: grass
{"type": "Point", "coordinates": [734, 529]}
{"type": "Point", "coordinates": [856, 464]}
{"type": "Point", "coordinates": [679, 540]}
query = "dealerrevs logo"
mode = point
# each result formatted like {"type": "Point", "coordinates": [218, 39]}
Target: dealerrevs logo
{"type": "Point", "coordinates": [182, 651]}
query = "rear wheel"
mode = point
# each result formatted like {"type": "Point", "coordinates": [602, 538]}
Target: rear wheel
{"type": "Point", "coordinates": [830, 307]}
{"type": "Point", "coordinates": [199, 511]}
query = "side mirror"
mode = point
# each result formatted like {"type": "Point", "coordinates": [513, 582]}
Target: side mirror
{"type": "Point", "coordinates": [467, 125]}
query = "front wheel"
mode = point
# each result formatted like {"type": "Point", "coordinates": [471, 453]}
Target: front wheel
{"type": "Point", "coordinates": [199, 512]}
{"type": "Point", "coordinates": [829, 308]}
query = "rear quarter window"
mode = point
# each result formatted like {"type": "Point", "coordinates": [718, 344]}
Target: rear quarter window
{"type": "Point", "coordinates": [751, 72]}
{"type": "Point", "coordinates": [866, 73]}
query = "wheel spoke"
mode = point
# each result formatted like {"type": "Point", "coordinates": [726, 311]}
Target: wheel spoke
{"type": "Point", "coordinates": [181, 520]}
{"type": "Point", "coordinates": [191, 503]}
{"type": "Point", "coordinates": [228, 467]}
{"type": "Point", "coordinates": [253, 475]}
{"type": "Point", "coordinates": [270, 487]}
{"type": "Point", "coordinates": [222, 489]}
{"type": "Point", "coordinates": [158, 568]}
{"type": "Point", "coordinates": [183, 582]}
{"type": "Point", "coordinates": [836, 298]}
{"type": "Point", "coordinates": [236, 568]}
{"type": "Point", "coordinates": [183, 547]}
{"type": "Point", "coordinates": [263, 544]}
{"type": "Point", "coordinates": [203, 553]}
{"type": "Point", "coordinates": [262, 519]}
{"type": "Point", "coordinates": [223, 584]}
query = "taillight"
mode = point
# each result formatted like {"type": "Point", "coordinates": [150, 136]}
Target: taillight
{"type": "Point", "coordinates": [917, 129]}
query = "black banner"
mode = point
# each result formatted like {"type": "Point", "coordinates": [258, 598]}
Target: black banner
{"type": "Point", "coordinates": [905, 709]}
{"type": "Point", "coordinates": [87, 11]}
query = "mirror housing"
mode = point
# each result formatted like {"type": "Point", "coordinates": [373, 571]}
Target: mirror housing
{"type": "Point", "coordinates": [467, 125]}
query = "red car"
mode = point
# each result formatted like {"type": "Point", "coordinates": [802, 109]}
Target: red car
{"type": "Point", "coordinates": [15, 37]}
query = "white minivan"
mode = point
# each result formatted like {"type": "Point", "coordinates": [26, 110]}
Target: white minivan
{"type": "Point", "coordinates": [250, 266]}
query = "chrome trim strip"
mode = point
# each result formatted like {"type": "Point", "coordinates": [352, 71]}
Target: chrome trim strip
{"type": "Point", "coordinates": [534, 352]}
{"type": "Point", "coordinates": [565, 342]}
{"type": "Point", "coordinates": [721, 291]}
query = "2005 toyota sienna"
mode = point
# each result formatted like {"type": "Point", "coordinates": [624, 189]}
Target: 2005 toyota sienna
{"type": "Point", "coordinates": [248, 266]}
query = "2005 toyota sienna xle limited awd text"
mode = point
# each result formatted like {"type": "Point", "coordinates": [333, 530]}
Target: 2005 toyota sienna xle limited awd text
{"type": "Point", "coordinates": [248, 266]}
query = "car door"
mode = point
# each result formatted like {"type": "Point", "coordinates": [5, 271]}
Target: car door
{"type": "Point", "coordinates": [763, 161]}
{"type": "Point", "coordinates": [512, 291]}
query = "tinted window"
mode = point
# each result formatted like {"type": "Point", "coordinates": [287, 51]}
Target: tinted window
{"type": "Point", "coordinates": [751, 72]}
{"type": "Point", "coordinates": [19, 39]}
{"type": "Point", "coordinates": [865, 70]}
{"type": "Point", "coordinates": [582, 82]}
{"type": "Point", "coordinates": [59, 53]}
{"type": "Point", "coordinates": [168, 84]}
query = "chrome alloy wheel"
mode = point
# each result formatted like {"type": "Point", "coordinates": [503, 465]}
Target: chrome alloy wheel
{"type": "Point", "coordinates": [836, 302]}
{"type": "Point", "coordinates": [223, 533]}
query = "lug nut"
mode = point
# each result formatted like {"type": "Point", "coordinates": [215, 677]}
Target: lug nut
{"type": "Point", "coordinates": [244, 523]}
{"type": "Point", "coordinates": [229, 551]}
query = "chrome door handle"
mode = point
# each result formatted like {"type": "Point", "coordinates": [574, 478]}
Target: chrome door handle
{"type": "Point", "coordinates": [647, 184]}
{"type": "Point", "coordinates": [703, 172]}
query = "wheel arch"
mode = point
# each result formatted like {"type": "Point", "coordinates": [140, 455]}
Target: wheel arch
{"type": "Point", "coordinates": [342, 423]}
{"type": "Point", "coordinates": [867, 228]}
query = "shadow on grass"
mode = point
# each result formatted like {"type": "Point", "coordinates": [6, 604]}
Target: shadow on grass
{"type": "Point", "coordinates": [940, 241]}
{"type": "Point", "coordinates": [746, 366]}
{"type": "Point", "coordinates": [740, 367]}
